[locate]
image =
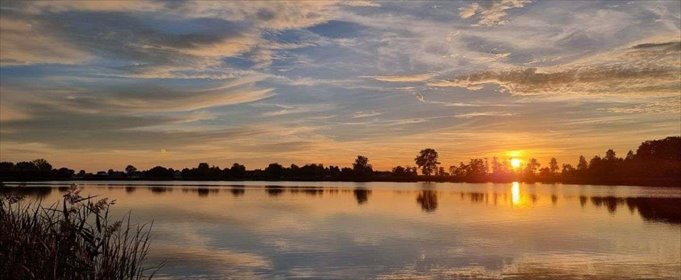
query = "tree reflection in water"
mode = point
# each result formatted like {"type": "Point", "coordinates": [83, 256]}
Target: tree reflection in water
{"type": "Point", "coordinates": [653, 209]}
{"type": "Point", "coordinates": [237, 191]}
{"type": "Point", "coordinates": [274, 190]}
{"type": "Point", "coordinates": [428, 200]}
{"type": "Point", "coordinates": [361, 195]}
{"type": "Point", "coordinates": [159, 190]}
{"type": "Point", "coordinates": [657, 209]}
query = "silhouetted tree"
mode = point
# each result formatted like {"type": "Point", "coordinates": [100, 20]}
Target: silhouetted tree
{"type": "Point", "coordinates": [477, 169]}
{"type": "Point", "coordinates": [407, 171]}
{"type": "Point", "coordinates": [159, 172]}
{"type": "Point", "coordinates": [531, 168]}
{"type": "Point", "coordinates": [665, 149]}
{"type": "Point", "coordinates": [237, 171]}
{"type": "Point", "coordinates": [312, 171]}
{"type": "Point", "coordinates": [64, 173]}
{"type": "Point", "coordinates": [610, 155]}
{"type": "Point", "coordinates": [545, 173]}
{"type": "Point", "coordinates": [347, 172]}
{"type": "Point", "coordinates": [334, 171]}
{"type": "Point", "coordinates": [361, 167]}
{"type": "Point", "coordinates": [427, 161]}
{"type": "Point", "coordinates": [582, 166]}
{"type": "Point", "coordinates": [655, 162]}
{"type": "Point", "coordinates": [501, 170]}
{"type": "Point", "coordinates": [6, 166]}
{"type": "Point", "coordinates": [460, 172]}
{"type": "Point", "coordinates": [567, 171]}
{"type": "Point", "coordinates": [553, 166]}
{"type": "Point", "coordinates": [274, 171]}
{"type": "Point", "coordinates": [42, 165]}
{"type": "Point", "coordinates": [412, 171]}
{"type": "Point", "coordinates": [7, 170]}
{"type": "Point", "coordinates": [399, 171]}
{"type": "Point", "coordinates": [131, 170]}
{"type": "Point", "coordinates": [25, 170]}
{"type": "Point", "coordinates": [203, 167]}
{"type": "Point", "coordinates": [596, 166]}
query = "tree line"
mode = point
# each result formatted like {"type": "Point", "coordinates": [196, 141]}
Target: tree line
{"type": "Point", "coordinates": [655, 162]}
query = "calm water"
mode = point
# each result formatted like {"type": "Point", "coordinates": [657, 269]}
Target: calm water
{"type": "Point", "coordinates": [334, 230]}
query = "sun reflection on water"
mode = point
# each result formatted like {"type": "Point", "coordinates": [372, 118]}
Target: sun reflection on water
{"type": "Point", "coordinates": [515, 194]}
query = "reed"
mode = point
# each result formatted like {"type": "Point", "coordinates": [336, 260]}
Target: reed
{"type": "Point", "coordinates": [72, 239]}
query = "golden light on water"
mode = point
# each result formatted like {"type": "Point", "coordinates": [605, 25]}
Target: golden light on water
{"type": "Point", "coordinates": [515, 193]}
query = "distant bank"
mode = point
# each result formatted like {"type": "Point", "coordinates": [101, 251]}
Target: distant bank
{"type": "Point", "coordinates": [655, 163]}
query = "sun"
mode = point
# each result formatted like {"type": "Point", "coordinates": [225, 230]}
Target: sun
{"type": "Point", "coordinates": [515, 163]}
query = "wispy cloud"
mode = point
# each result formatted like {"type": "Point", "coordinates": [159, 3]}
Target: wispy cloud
{"type": "Point", "coordinates": [24, 42]}
{"type": "Point", "coordinates": [361, 3]}
{"type": "Point", "coordinates": [401, 78]}
{"type": "Point", "coordinates": [490, 12]}
{"type": "Point", "coordinates": [357, 115]}
{"type": "Point", "coordinates": [643, 69]}
{"type": "Point", "coordinates": [422, 99]}
{"type": "Point", "coordinates": [483, 114]}
{"type": "Point", "coordinates": [669, 105]}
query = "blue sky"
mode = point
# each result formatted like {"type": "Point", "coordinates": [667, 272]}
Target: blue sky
{"type": "Point", "coordinates": [98, 85]}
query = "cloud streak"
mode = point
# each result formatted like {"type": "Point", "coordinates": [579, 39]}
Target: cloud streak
{"type": "Point", "coordinates": [644, 69]}
{"type": "Point", "coordinates": [490, 12]}
{"type": "Point", "coordinates": [401, 78]}
{"type": "Point", "coordinates": [23, 42]}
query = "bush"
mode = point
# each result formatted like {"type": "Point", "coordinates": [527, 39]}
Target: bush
{"type": "Point", "coordinates": [72, 239]}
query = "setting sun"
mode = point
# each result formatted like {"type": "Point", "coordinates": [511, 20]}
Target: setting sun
{"type": "Point", "coordinates": [515, 163]}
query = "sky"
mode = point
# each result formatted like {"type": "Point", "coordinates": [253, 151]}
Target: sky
{"type": "Point", "coordinates": [99, 85]}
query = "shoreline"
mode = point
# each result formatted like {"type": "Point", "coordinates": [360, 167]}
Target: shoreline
{"type": "Point", "coordinates": [643, 182]}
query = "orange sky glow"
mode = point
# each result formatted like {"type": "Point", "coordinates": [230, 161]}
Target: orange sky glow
{"type": "Point", "coordinates": [98, 86]}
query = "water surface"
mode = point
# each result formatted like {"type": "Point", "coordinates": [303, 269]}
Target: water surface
{"type": "Point", "coordinates": [332, 230]}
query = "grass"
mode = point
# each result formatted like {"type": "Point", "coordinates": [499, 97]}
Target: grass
{"type": "Point", "coordinates": [72, 239]}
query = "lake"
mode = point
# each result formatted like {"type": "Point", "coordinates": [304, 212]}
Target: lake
{"type": "Point", "coordinates": [340, 230]}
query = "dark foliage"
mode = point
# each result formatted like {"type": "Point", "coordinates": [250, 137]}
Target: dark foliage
{"type": "Point", "coordinates": [656, 162]}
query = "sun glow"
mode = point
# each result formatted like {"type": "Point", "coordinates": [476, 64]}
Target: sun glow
{"type": "Point", "coordinates": [515, 163]}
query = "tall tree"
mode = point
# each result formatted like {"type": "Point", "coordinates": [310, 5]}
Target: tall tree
{"type": "Point", "coordinates": [427, 161]}
{"type": "Point", "coordinates": [42, 165]}
{"type": "Point", "coordinates": [667, 149]}
{"type": "Point", "coordinates": [553, 166]}
{"type": "Point", "coordinates": [361, 167]}
{"type": "Point", "coordinates": [531, 167]}
{"type": "Point", "coordinates": [582, 165]}
{"type": "Point", "coordinates": [399, 171]}
{"type": "Point", "coordinates": [568, 170]}
{"type": "Point", "coordinates": [130, 170]}
{"type": "Point", "coordinates": [203, 166]}
{"type": "Point", "coordinates": [274, 170]}
{"type": "Point", "coordinates": [610, 155]}
{"type": "Point", "coordinates": [237, 170]}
